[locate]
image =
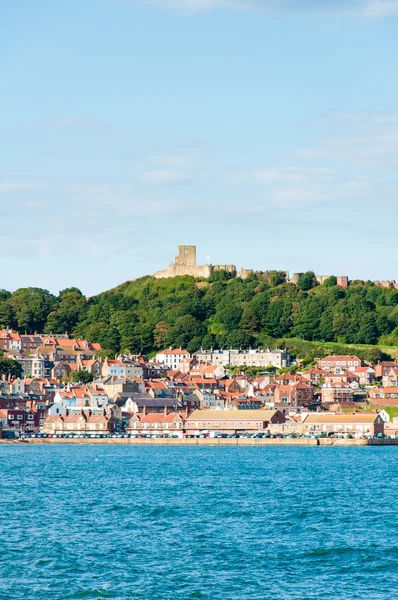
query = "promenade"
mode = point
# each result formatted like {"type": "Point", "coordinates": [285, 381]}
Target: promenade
{"type": "Point", "coordinates": [210, 441]}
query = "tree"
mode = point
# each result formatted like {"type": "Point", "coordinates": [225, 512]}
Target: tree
{"type": "Point", "coordinates": [307, 281]}
{"type": "Point", "coordinates": [9, 367]}
{"type": "Point", "coordinates": [220, 275]}
{"type": "Point", "coordinates": [307, 320]}
{"type": "Point", "coordinates": [68, 311]}
{"type": "Point", "coordinates": [81, 376]}
{"type": "Point", "coordinates": [330, 281]}
{"type": "Point", "coordinates": [275, 278]}
{"type": "Point", "coordinates": [368, 332]}
{"type": "Point", "coordinates": [32, 307]}
{"type": "Point", "coordinates": [249, 321]}
{"type": "Point", "coordinates": [160, 333]}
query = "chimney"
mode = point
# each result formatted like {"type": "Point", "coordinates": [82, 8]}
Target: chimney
{"type": "Point", "coordinates": [144, 411]}
{"type": "Point", "coordinates": [165, 411]}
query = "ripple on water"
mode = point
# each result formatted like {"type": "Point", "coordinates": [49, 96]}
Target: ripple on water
{"type": "Point", "coordinates": [181, 523]}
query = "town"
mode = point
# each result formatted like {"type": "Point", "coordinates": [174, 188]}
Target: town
{"type": "Point", "coordinates": [66, 389]}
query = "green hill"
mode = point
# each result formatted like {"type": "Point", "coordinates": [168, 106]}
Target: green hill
{"type": "Point", "coordinates": [148, 314]}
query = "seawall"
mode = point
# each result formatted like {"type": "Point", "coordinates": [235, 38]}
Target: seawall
{"type": "Point", "coordinates": [211, 441]}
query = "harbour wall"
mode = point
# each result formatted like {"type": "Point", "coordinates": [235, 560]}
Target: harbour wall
{"type": "Point", "coordinates": [210, 441]}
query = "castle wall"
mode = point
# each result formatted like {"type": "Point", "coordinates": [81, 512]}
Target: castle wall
{"type": "Point", "coordinates": [180, 270]}
{"type": "Point", "coordinates": [228, 268]}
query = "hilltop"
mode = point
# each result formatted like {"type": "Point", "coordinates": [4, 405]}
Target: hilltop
{"type": "Point", "coordinates": [148, 314]}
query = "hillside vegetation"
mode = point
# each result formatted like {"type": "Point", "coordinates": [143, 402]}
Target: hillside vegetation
{"type": "Point", "coordinates": [148, 314]}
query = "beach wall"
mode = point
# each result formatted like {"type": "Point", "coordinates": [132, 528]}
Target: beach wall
{"type": "Point", "coordinates": [210, 441]}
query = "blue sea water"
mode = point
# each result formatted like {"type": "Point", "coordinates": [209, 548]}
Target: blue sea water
{"type": "Point", "coordinates": [187, 523]}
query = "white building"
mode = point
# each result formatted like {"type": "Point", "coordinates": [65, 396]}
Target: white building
{"type": "Point", "coordinates": [253, 357]}
{"type": "Point", "coordinates": [171, 358]}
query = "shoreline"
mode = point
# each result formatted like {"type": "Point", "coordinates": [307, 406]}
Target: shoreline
{"type": "Point", "coordinates": [207, 441]}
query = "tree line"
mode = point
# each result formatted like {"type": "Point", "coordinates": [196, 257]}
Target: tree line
{"type": "Point", "coordinates": [149, 314]}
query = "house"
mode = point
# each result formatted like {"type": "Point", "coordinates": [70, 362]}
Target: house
{"type": "Point", "coordinates": [252, 357]}
{"type": "Point", "coordinates": [337, 392]}
{"type": "Point", "coordinates": [32, 365]}
{"type": "Point", "coordinates": [331, 363]}
{"type": "Point", "coordinates": [299, 393]}
{"type": "Point", "coordinates": [61, 370]}
{"type": "Point", "coordinates": [16, 386]}
{"type": "Point", "coordinates": [10, 340]}
{"type": "Point", "coordinates": [208, 371]}
{"type": "Point", "coordinates": [366, 375]}
{"type": "Point", "coordinates": [171, 423]}
{"type": "Point", "coordinates": [341, 377]}
{"type": "Point", "coordinates": [391, 429]}
{"type": "Point", "coordinates": [122, 367]}
{"type": "Point", "coordinates": [208, 398]}
{"type": "Point", "coordinates": [390, 379]}
{"type": "Point", "coordinates": [144, 403]}
{"type": "Point", "coordinates": [356, 424]}
{"type": "Point", "coordinates": [187, 364]}
{"type": "Point", "coordinates": [231, 421]}
{"type": "Point", "coordinates": [116, 385]}
{"type": "Point", "coordinates": [382, 368]}
{"type": "Point", "coordinates": [95, 422]}
{"type": "Point", "coordinates": [314, 375]}
{"type": "Point", "coordinates": [172, 357]}
{"type": "Point", "coordinates": [384, 396]}
{"type": "Point", "coordinates": [19, 419]}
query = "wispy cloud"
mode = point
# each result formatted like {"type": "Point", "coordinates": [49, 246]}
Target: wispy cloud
{"type": "Point", "coordinates": [11, 186]}
{"type": "Point", "coordinates": [381, 9]}
{"type": "Point", "coordinates": [368, 140]}
{"type": "Point", "coordinates": [166, 176]}
{"type": "Point", "coordinates": [295, 188]}
{"type": "Point", "coordinates": [365, 8]}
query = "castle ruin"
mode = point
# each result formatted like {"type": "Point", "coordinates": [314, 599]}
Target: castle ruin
{"type": "Point", "coordinates": [185, 264]}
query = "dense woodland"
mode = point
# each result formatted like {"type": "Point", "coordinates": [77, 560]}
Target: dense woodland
{"type": "Point", "coordinates": [149, 314]}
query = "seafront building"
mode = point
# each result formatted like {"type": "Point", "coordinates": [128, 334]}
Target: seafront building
{"type": "Point", "coordinates": [190, 395]}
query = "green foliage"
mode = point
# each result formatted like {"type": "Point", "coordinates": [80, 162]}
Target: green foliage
{"type": "Point", "coordinates": [31, 307]}
{"type": "Point", "coordinates": [275, 278]}
{"type": "Point", "coordinates": [221, 275]}
{"type": "Point", "coordinates": [147, 315]}
{"type": "Point", "coordinates": [81, 376]}
{"type": "Point", "coordinates": [307, 281]}
{"type": "Point", "coordinates": [10, 367]}
{"type": "Point", "coordinates": [330, 281]}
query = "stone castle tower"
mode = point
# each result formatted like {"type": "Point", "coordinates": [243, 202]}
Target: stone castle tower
{"type": "Point", "coordinates": [186, 256]}
{"type": "Point", "coordinates": [185, 264]}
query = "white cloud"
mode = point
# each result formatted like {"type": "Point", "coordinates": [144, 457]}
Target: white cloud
{"type": "Point", "coordinates": [297, 188]}
{"type": "Point", "coordinates": [166, 176]}
{"type": "Point", "coordinates": [365, 8]}
{"type": "Point", "coordinates": [10, 186]}
{"type": "Point", "coordinates": [380, 9]}
{"type": "Point", "coordinates": [368, 140]}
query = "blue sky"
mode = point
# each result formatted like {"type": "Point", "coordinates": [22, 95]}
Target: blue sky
{"type": "Point", "coordinates": [264, 132]}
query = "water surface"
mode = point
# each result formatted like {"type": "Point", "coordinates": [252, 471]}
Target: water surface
{"type": "Point", "coordinates": [185, 523]}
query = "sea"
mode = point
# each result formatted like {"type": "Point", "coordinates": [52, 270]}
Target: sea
{"type": "Point", "coordinates": [190, 523]}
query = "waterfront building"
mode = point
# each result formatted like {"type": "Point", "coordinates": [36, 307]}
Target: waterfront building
{"type": "Point", "coordinates": [358, 424]}
{"type": "Point", "coordinates": [153, 423]}
{"type": "Point", "coordinates": [232, 421]}
{"type": "Point", "coordinates": [90, 421]}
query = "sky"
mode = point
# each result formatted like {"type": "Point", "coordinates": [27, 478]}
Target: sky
{"type": "Point", "coordinates": [265, 132]}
